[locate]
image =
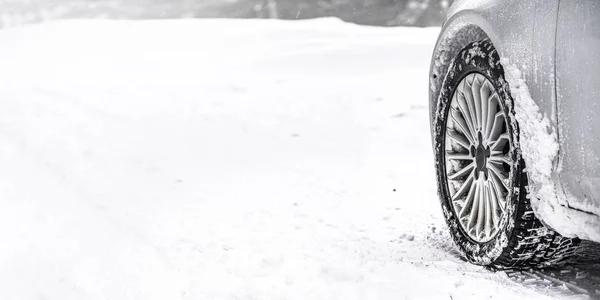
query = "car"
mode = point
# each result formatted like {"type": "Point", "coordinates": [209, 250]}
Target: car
{"type": "Point", "coordinates": [514, 92]}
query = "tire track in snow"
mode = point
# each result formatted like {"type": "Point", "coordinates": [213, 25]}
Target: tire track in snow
{"type": "Point", "coordinates": [579, 280]}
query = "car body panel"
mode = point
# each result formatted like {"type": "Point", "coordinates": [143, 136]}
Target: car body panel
{"type": "Point", "coordinates": [578, 95]}
{"type": "Point", "coordinates": [527, 39]}
{"type": "Point", "coordinates": [525, 32]}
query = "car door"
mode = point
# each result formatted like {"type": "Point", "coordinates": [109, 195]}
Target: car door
{"type": "Point", "coordinates": [578, 102]}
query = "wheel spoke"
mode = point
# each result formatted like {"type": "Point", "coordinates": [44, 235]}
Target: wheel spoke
{"type": "Point", "coordinates": [497, 127]}
{"type": "Point", "coordinates": [497, 177]}
{"type": "Point", "coordinates": [464, 110]}
{"type": "Point", "coordinates": [491, 113]}
{"type": "Point", "coordinates": [458, 138]}
{"type": "Point", "coordinates": [496, 170]}
{"type": "Point", "coordinates": [468, 203]}
{"type": "Point", "coordinates": [484, 95]}
{"type": "Point", "coordinates": [490, 210]}
{"type": "Point", "coordinates": [464, 187]}
{"type": "Point", "coordinates": [463, 172]}
{"type": "Point", "coordinates": [476, 86]}
{"type": "Point", "coordinates": [497, 196]}
{"type": "Point", "coordinates": [475, 209]}
{"type": "Point", "coordinates": [470, 103]}
{"type": "Point", "coordinates": [499, 158]}
{"type": "Point", "coordinates": [458, 119]}
{"type": "Point", "coordinates": [482, 209]}
{"type": "Point", "coordinates": [500, 143]}
{"type": "Point", "coordinates": [458, 156]}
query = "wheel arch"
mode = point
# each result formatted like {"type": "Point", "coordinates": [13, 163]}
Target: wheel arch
{"type": "Point", "coordinates": [460, 30]}
{"type": "Point", "coordinates": [527, 42]}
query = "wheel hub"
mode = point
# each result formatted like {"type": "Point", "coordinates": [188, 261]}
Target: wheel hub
{"type": "Point", "coordinates": [481, 155]}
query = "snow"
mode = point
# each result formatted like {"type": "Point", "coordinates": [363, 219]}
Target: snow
{"type": "Point", "coordinates": [224, 159]}
{"type": "Point", "coordinates": [539, 145]}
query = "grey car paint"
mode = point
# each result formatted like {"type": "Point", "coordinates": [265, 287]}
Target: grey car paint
{"type": "Point", "coordinates": [556, 45]}
{"type": "Point", "coordinates": [578, 93]}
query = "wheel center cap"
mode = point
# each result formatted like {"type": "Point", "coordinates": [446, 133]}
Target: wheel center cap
{"type": "Point", "coordinates": [481, 154]}
{"type": "Point", "coordinates": [480, 157]}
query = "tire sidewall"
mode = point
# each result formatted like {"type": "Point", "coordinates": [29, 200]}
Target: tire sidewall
{"type": "Point", "coordinates": [483, 58]}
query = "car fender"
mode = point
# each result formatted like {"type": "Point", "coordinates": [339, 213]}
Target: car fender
{"type": "Point", "coordinates": [525, 38]}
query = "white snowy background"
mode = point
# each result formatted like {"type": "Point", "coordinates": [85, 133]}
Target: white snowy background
{"type": "Point", "coordinates": [224, 159]}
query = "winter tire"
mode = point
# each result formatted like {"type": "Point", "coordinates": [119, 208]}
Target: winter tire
{"type": "Point", "coordinates": [480, 173]}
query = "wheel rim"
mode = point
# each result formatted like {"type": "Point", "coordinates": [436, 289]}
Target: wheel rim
{"type": "Point", "coordinates": [478, 157]}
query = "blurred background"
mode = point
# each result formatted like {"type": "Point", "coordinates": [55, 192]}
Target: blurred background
{"type": "Point", "coordinates": [367, 12]}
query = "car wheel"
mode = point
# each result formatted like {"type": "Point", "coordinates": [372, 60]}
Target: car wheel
{"type": "Point", "coordinates": [480, 173]}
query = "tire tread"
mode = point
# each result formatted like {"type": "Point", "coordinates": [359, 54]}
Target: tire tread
{"type": "Point", "coordinates": [533, 245]}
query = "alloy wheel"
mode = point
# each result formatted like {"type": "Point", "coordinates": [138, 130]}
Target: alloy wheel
{"type": "Point", "coordinates": [478, 157]}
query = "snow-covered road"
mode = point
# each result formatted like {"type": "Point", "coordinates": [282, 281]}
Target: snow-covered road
{"type": "Point", "coordinates": [222, 159]}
